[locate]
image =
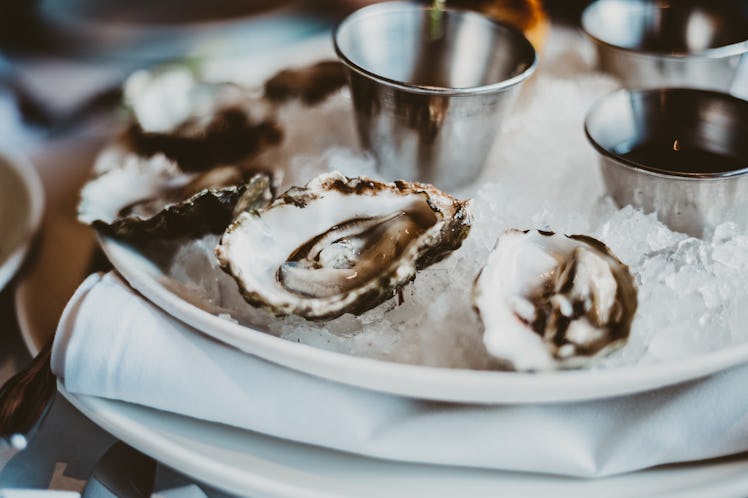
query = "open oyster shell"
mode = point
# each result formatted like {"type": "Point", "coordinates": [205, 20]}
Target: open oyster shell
{"type": "Point", "coordinates": [340, 245]}
{"type": "Point", "coordinates": [195, 123]}
{"type": "Point", "coordinates": [202, 124]}
{"type": "Point", "coordinates": [549, 300]}
{"type": "Point", "coordinates": [152, 197]}
{"type": "Point", "coordinates": [185, 165]}
{"type": "Point", "coordinates": [310, 84]}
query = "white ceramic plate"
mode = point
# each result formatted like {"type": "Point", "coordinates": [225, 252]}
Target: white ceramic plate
{"type": "Point", "coordinates": [21, 209]}
{"type": "Point", "coordinates": [410, 380]}
{"type": "Point", "coordinates": [250, 464]}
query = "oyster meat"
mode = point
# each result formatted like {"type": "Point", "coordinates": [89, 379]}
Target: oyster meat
{"type": "Point", "coordinates": [201, 124]}
{"type": "Point", "coordinates": [195, 123]}
{"type": "Point", "coordinates": [549, 300]}
{"type": "Point", "coordinates": [311, 84]}
{"type": "Point", "coordinates": [151, 197]}
{"type": "Point", "coordinates": [340, 245]}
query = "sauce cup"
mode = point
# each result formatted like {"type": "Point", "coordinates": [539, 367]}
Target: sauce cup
{"type": "Point", "coordinates": [659, 43]}
{"type": "Point", "coordinates": [430, 87]}
{"type": "Point", "coordinates": [679, 152]}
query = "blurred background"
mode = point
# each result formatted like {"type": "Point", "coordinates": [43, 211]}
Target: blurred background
{"type": "Point", "coordinates": [62, 61]}
{"type": "Point", "coordinates": [73, 25]}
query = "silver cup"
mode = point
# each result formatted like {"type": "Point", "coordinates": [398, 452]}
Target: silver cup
{"type": "Point", "coordinates": [681, 153]}
{"type": "Point", "coordinates": [430, 88]}
{"type": "Point", "coordinates": [658, 43]}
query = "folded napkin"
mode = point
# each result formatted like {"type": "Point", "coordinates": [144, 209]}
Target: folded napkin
{"type": "Point", "coordinates": [113, 343]}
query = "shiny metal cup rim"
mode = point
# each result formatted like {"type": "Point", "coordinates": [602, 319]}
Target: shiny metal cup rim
{"type": "Point", "coordinates": [425, 89]}
{"type": "Point", "coordinates": [651, 170]}
{"type": "Point", "coordinates": [737, 48]}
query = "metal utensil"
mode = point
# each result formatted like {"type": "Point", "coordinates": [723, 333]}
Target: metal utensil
{"type": "Point", "coordinates": [123, 472]}
{"type": "Point", "coordinates": [430, 87]}
{"type": "Point", "coordinates": [657, 43]}
{"type": "Point", "coordinates": [681, 153]}
{"type": "Point", "coordinates": [25, 400]}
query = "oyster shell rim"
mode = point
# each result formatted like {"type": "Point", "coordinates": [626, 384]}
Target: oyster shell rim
{"type": "Point", "coordinates": [627, 295]}
{"type": "Point", "coordinates": [436, 243]}
{"type": "Point", "coordinates": [187, 215]}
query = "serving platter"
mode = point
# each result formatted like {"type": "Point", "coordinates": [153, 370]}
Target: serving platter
{"type": "Point", "coordinates": [419, 381]}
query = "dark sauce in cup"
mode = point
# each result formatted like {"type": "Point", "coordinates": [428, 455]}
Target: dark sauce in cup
{"type": "Point", "coordinates": [673, 155]}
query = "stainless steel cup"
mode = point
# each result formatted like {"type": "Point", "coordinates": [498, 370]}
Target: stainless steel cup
{"type": "Point", "coordinates": [692, 164]}
{"type": "Point", "coordinates": [430, 88]}
{"type": "Point", "coordinates": [659, 43]}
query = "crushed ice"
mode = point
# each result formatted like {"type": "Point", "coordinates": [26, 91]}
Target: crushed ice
{"type": "Point", "coordinates": [693, 295]}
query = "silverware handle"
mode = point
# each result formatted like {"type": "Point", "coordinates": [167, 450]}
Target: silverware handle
{"type": "Point", "coordinates": [24, 401]}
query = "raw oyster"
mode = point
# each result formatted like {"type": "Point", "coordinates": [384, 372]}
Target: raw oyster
{"type": "Point", "coordinates": [228, 136]}
{"type": "Point", "coordinates": [311, 84]}
{"type": "Point", "coordinates": [340, 245]}
{"type": "Point", "coordinates": [152, 197]}
{"type": "Point", "coordinates": [550, 300]}
{"type": "Point", "coordinates": [201, 124]}
{"type": "Point", "coordinates": [195, 123]}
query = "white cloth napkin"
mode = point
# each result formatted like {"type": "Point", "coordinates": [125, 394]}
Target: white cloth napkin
{"type": "Point", "coordinates": [113, 343]}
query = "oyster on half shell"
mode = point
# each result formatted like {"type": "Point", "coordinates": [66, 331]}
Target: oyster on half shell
{"type": "Point", "coordinates": [197, 124]}
{"type": "Point", "coordinates": [340, 245]}
{"type": "Point", "coordinates": [201, 124]}
{"type": "Point", "coordinates": [151, 197]}
{"type": "Point", "coordinates": [552, 301]}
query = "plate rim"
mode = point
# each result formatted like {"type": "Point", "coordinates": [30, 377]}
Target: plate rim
{"type": "Point", "coordinates": [26, 172]}
{"type": "Point", "coordinates": [107, 414]}
{"type": "Point", "coordinates": [425, 382]}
